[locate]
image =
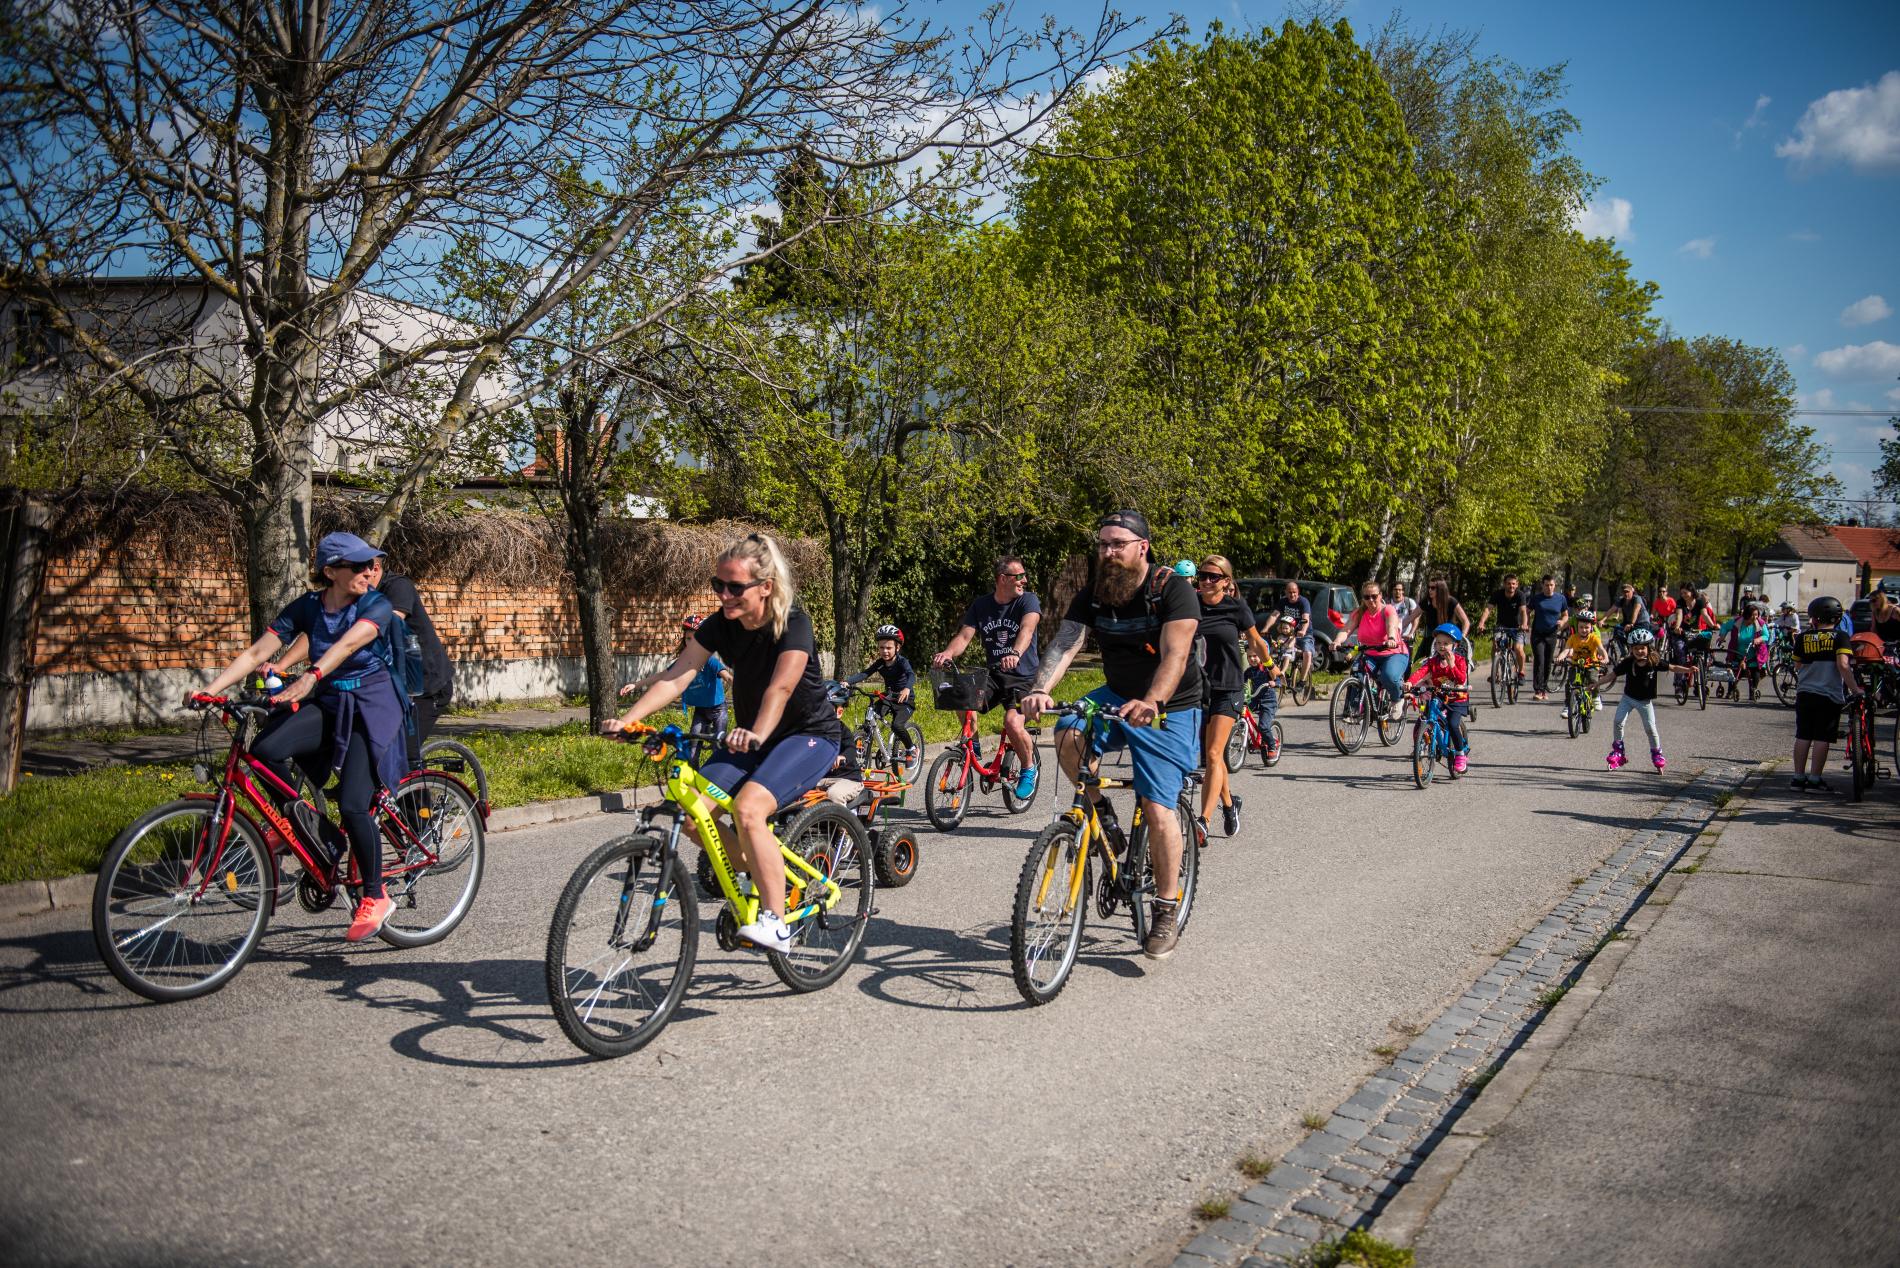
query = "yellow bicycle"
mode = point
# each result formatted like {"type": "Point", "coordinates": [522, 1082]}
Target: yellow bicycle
{"type": "Point", "coordinates": [625, 933]}
{"type": "Point", "coordinates": [1054, 891]}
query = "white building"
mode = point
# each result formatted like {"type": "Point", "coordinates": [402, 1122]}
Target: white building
{"type": "Point", "coordinates": [1803, 564]}
{"type": "Point", "coordinates": [178, 330]}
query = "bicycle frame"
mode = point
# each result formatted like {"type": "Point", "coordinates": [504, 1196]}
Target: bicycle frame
{"type": "Point", "coordinates": [687, 789]}
{"type": "Point", "coordinates": [1087, 817]}
{"type": "Point", "coordinates": [972, 745]}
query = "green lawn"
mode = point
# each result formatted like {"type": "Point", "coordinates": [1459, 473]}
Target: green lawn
{"type": "Point", "coordinates": [60, 826]}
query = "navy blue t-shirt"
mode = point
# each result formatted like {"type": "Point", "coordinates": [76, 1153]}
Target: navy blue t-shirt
{"type": "Point", "coordinates": [1296, 610]}
{"type": "Point", "coordinates": [896, 673]}
{"type": "Point", "coordinates": [1546, 611]}
{"type": "Point", "coordinates": [998, 624]}
{"type": "Point", "coordinates": [307, 616]}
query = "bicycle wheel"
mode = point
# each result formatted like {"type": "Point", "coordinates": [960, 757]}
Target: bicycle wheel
{"type": "Point", "coordinates": [1350, 714]}
{"type": "Point", "coordinates": [1012, 768]}
{"type": "Point", "coordinates": [1193, 840]}
{"type": "Point", "coordinates": [1235, 755]}
{"type": "Point", "coordinates": [947, 791]}
{"type": "Point", "coordinates": [1270, 750]}
{"type": "Point", "coordinates": [166, 930]}
{"type": "Point", "coordinates": [910, 752]}
{"type": "Point", "coordinates": [1303, 689]}
{"type": "Point", "coordinates": [1498, 687]}
{"type": "Point", "coordinates": [1516, 681]}
{"type": "Point", "coordinates": [896, 855]}
{"type": "Point", "coordinates": [452, 757]}
{"type": "Point", "coordinates": [621, 946]}
{"type": "Point", "coordinates": [434, 849]}
{"type": "Point", "coordinates": [1045, 927]}
{"type": "Point", "coordinates": [1422, 755]}
{"type": "Point", "coordinates": [1702, 682]}
{"type": "Point", "coordinates": [1390, 728]}
{"type": "Point", "coordinates": [1572, 706]}
{"type": "Point", "coordinates": [1787, 683]}
{"type": "Point", "coordinates": [823, 944]}
{"type": "Point", "coordinates": [1856, 744]}
{"type": "Point", "coordinates": [1588, 701]}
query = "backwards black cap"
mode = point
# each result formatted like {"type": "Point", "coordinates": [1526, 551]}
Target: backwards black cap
{"type": "Point", "coordinates": [1132, 520]}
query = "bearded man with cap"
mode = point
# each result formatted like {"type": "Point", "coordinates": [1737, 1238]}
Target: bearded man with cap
{"type": "Point", "coordinates": [1145, 618]}
{"type": "Point", "coordinates": [357, 728]}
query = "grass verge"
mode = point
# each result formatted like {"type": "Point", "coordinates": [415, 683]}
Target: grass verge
{"type": "Point", "coordinates": [1361, 1249]}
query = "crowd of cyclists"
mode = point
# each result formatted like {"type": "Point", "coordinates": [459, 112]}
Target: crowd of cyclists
{"type": "Point", "coordinates": [1182, 655]}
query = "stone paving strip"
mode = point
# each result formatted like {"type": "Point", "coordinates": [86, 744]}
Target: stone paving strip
{"type": "Point", "coordinates": [1343, 1175]}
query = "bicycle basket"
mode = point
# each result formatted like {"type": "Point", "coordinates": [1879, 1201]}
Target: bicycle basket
{"type": "Point", "coordinates": [963, 689]}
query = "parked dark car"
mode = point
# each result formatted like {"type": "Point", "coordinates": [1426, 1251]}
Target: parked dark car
{"type": "Point", "coordinates": [1263, 596]}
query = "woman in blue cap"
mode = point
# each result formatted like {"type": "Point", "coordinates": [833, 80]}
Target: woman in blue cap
{"type": "Point", "coordinates": [357, 726]}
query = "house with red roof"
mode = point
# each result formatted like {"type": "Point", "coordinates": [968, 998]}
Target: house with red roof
{"type": "Point", "coordinates": [1803, 563]}
{"type": "Point", "coordinates": [1878, 552]}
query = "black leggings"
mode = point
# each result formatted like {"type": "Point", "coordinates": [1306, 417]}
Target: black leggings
{"type": "Point", "coordinates": [303, 737]}
{"type": "Point", "coordinates": [1544, 648]}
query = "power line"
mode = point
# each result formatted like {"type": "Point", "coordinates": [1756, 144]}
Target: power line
{"type": "Point", "coordinates": [1756, 413]}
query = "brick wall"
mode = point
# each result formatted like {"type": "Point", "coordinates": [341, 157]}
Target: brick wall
{"type": "Point", "coordinates": [124, 630]}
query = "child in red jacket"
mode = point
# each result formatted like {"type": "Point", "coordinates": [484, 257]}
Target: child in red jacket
{"type": "Point", "coordinates": [1450, 676]}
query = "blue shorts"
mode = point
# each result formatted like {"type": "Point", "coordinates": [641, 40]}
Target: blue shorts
{"type": "Point", "coordinates": [1162, 755]}
{"type": "Point", "coordinates": [788, 767]}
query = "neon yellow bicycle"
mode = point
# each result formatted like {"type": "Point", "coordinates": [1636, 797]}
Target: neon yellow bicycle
{"type": "Point", "coordinates": [625, 933]}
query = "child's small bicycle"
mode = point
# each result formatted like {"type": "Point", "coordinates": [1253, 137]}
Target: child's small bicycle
{"type": "Point", "coordinates": [1580, 698]}
{"type": "Point", "coordinates": [1249, 738]}
{"type": "Point", "coordinates": [1431, 738]}
{"type": "Point", "coordinates": [625, 933]}
{"type": "Point", "coordinates": [962, 766]}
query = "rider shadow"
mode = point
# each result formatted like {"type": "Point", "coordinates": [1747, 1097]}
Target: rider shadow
{"type": "Point", "coordinates": [67, 959]}
{"type": "Point", "coordinates": [964, 971]}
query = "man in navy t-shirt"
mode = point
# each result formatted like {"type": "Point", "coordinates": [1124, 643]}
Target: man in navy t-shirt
{"type": "Point", "coordinates": [1550, 612]}
{"type": "Point", "coordinates": [1006, 621]}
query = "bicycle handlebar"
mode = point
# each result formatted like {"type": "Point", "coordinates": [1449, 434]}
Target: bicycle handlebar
{"type": "Point", "coordinates": [238, 704]}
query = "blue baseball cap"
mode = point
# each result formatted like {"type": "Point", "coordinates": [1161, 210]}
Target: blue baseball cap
{"type": "Point", "coordinates": [345, 548]}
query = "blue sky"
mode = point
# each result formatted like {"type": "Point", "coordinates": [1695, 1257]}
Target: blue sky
{"type": "Point", "coordinates": [1750, 155]}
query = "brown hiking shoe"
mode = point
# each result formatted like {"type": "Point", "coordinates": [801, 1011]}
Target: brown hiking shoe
{"type": "Point", "coordinates": [1162, 935]}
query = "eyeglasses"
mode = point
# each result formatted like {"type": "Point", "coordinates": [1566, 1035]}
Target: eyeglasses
{"type": "Point", "coordinates": [1013, 576]}
{"type": "Point", "coordinates": [733, 588]}
{"type": "Point", "coordinates": [1115, 546]}
{"type": "Point", "coordinates": [1212, 576]}
{"type": "Point", "coordinates": [1370, 596]}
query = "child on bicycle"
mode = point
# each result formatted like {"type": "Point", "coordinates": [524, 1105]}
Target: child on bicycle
{"type": "Point", "coordinates": [900, 680]}
{"type": "Point", "coordinates": [1639, 670]}
{"type": "Point", "coordinates": [1450, 675]}
{"type": "Point", "coordinates": [705, 698]}
{"type": "Point", "coordinates": [1584, 646]}
{"type": "Point", "coordinates": [1260, 684]}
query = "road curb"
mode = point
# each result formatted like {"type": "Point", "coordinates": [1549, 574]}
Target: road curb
{"type": "Point", "coordinates": [1405, 1215]}
{"type": "Point", "coordinates": [1392, 1148]}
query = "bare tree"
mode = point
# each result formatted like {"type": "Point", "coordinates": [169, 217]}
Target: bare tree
{"type": "Point", "coordinates": [287, 165]}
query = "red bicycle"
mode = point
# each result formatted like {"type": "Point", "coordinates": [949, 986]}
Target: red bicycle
{"type": "Point", "coordinates": [184, 894]}
{"type": "Point", "coordinates": [1267, 743]}
{"type": "Point", "coordinates": [947, 791]}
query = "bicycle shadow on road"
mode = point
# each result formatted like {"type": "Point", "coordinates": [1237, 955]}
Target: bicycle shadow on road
{"type": "Point", "coordinates": [967, 970]}
{"type": "Point", "coordinates": [60, 958]}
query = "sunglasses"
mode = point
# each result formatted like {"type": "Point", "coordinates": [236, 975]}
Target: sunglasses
{"type": "Point", "coordinates": [733, 588]}
{"type": "Point", "coordinates": [1212, 576]}
{"type": "Point", "coordinates": [1370, 596]}
{"type": "Point", "coordinates": [355, 567]}
{"type": "Point", "coordinates": [1013, 576]}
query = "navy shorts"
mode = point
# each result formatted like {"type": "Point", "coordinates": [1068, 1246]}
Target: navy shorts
{"type": "Point", "coordinates": [788, 767]}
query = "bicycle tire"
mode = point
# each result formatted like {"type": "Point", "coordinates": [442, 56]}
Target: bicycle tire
{"type": "Point", "coordinates": [593, 899]}
{"type": "Point", "coordinates": [1304, 690]}
{"type": "Point", "coordinates": [1011, 766]}
{"type": "Point", "coordinates": [458, 753]}
{"type": "Point", "coordinates": [1390, 729]}
{"type": "Point", "coordinates": [1193, 841]}
{"type": "Point", "coordinates": [1498, 687]}
{"type": "Point", "coordinates": [1422, 756]}
{"type": "Point", "coordinates": [1702, 682]}
{"type": "Point", "coordinates": [1588, 701]}
{"type": "Point", "coordinates": [947, 790]}
{"type": "Point", "coordinates": [1274, 746]}
{"type": "Point", "coordinates": [1515, 683]}
{"type": "Point", "coordinates": [909, 740]}
{"type": "Point", "coordinates": [1571, 706]}
{"type": "Point", "coordinates": [1787, 683]}
{"type": "Point", "coordinates": [141, 869]}
{"type": "Point", "coordinates": [1234, 756]}
{"type": "Point", "coordinates": [1856, 739]}
{"type": "Point", "coordinates": [832, 840]}
{"type": "Point", "coordinates": [1055, 849]}
{"type": "Point", "coordinates": [448, 821]}
{"type": "Point", "coordinates": [1350, 714]}
{"type": "Point", "coordinates": [896, 855]}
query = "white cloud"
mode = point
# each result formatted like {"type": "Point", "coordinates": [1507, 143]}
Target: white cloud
{"type": "Point", "coordinates": [1797, 351]}
{"type": "Point", "coordinates": [1862, 360]}
{"type": "Point", "coordinates": [1700, 248]}
{"type": "Point", "coordinates": [1857, 126]}
{"type": "Point", "coordinates": [1823, 399]}
{"type": "Point", "coordinates": [1605, 218]}
{"type": "Point", "coordinates": [1865, 312]}
{"type": "Point", "coordinates": [1754, 119]}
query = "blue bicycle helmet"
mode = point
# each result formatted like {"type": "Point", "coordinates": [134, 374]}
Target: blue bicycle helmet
{"type": "Point", "coordinates": [1185, 568]}
{"type": "Point", "coordinates": [1451, 631]}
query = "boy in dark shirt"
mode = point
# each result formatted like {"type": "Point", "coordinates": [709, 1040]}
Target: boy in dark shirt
{"type": "Point", "coordinates": [900, 680]}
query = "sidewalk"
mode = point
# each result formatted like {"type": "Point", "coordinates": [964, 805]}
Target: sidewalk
{"type": "Point", "coordinates": [1728, 1092]}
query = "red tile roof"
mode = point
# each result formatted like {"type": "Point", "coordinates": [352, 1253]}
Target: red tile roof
{"type": "Point", "coordinates": [1878, 548]}
{"type": "Point", "coordinates": [1811, 544]}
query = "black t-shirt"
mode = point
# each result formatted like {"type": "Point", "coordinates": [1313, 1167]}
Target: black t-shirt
{"type": "Point", "coordinates": [1130, 637]}
{"type": "Point", "coordinates": [1639, 681]}
{"type": "Point", "coordinates": [1223, 625]}
{"type": "Point", "coordinates": [438, 676]}
{"type": "Point", "coordinates": [752, 655]}
{"type": "Point", "coordinates": [896, 673]}
{"type": "Point", "coordinates": [1632, 609]}
{"type": "Point", "coordinates": [1509, 607]}
{"type": "Point", "coordinates": [998, 624]}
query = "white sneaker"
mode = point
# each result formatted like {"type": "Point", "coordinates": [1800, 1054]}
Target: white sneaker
{"type": "Point", "coordinates": [768, 933]}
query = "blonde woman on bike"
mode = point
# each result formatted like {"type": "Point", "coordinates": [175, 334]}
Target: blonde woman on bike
{"type": "Point", "coordinates": [1226, 622]}
{"type": "Point", "coordinates": [787, 735]}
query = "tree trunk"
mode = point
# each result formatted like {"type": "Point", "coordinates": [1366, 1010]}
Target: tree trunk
{"type": "Point", "coordinates": [590, 598]}
{"type": "Point", "coordinates": [22, 574]}
{"type": "Point", "coordinates": [1386, 525]}
{"type": "Point", "coordinates": [279, 549]}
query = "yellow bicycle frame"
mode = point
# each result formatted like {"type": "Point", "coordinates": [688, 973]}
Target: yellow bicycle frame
{"type": "Point", "coordinates": [1085, 816]}
{"type": "Point", "coordinates": [690, 791]}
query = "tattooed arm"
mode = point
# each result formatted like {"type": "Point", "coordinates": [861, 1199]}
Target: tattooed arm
{"type": "Point", "coordinates": [1055, 663]}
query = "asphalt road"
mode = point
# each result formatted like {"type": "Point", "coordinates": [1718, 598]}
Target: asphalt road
{"type": "Point", "coordinates": [340, 1104]}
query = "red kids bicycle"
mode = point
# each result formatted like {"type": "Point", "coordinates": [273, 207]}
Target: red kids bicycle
{"type": "Point", "coordinates": [185, 893]}
{"type": "Point", "coordinates": [960, 769]}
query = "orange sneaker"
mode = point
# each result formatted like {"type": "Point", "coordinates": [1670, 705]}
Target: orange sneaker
{"type": "Point", "coordinates": [369, 918]}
